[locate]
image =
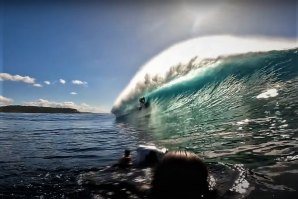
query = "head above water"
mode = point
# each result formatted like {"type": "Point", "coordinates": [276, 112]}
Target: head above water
{"type": "Point", "coordinates": [180, 174]}
{"type": "Point", "coordinates": [127, 152]}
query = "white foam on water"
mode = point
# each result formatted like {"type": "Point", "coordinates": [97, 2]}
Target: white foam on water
{"type": "Point", "coordinates": [267, 94]}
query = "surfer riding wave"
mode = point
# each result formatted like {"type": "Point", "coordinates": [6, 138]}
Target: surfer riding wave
{"type": "Point", "coordinates": [143, 103]}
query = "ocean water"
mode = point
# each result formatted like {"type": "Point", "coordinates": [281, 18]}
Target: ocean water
{"type": "Point", "coordinates": [47, 155]}
{"type": "Point", "coordinates": [239, 113]}
{"type": "Point", "coordinates": [42, 155]}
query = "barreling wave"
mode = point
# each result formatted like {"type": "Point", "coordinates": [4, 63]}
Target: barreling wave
{"type": "Point", "coordinates": [203, 90]}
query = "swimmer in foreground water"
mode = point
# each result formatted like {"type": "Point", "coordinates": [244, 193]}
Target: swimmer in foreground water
{"type": "Point", "coordinates": [179, 175]}
{"type": "Point", "coordinates": [125, 161]}
{"type": "Point", "coordinates": [182, 175]}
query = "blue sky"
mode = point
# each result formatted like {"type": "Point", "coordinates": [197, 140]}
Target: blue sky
{"type": "Point", "coordinates": [97, 47]}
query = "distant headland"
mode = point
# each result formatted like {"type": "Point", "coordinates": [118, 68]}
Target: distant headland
{"type": "Point", "coordinates": [35, 109]}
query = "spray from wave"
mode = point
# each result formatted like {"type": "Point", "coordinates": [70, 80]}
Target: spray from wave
{"type": "Point", "coordinates": [193, 60]}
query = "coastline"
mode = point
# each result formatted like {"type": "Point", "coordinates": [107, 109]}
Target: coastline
{"type": "Point", "coordinates": [35, 109]}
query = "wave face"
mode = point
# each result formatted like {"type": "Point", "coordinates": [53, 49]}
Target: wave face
{"type": "Point", "coordinates": [201, 82]}
{"type": "Point", "coordinates": [203, 94]}
{"type": "Point", "coordinates": [188, 56]}
{"type": "Point", "coordinates": [218, 90]}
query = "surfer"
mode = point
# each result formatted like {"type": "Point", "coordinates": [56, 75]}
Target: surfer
{"type": "Point", "coordinates": [142, 100]}
{"type": "Point", "coordinates": [143, 103]}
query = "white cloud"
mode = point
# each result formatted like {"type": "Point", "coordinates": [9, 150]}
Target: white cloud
{"type": "Point", "coordinates": [9, 77]}
{"type": "Point", "coordinates": [47, 82]}
{"type": "Point", "coordinates": [5, 100]}
{"type": "Point", "coordinates": [37, 85]}
{"type": "Point", "coordinates": [73, 93]}
{"type": "Point", "coordinates": [62, 81]}
{"type": "Point", "coordinates": [80, 107]}
{"type": "Point", "coordinates": [79, 82]}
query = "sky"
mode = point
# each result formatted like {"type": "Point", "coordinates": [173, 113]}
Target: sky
{"type": "Point", "coordinates": [82, 54]}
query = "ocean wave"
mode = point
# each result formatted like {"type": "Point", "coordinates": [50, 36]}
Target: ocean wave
{"type": "Point", "coordinates": [255, 71]}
